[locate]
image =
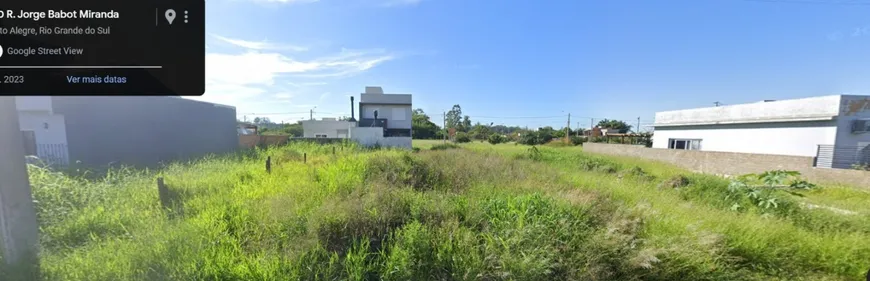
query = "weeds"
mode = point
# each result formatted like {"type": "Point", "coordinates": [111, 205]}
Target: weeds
{"type": "Point", "coordinates": [444, 146]}
{"type": "Point", "coordinates": [469, 214]}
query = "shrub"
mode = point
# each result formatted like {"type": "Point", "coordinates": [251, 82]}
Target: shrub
{"type": "Point", "coordinates": [764, 195]}
{"type": "Point", "coordinates": [496, 139]}
{"type": "Point", "coordinates": [535, 138]}
{"type": "Point", "coordinates": [444, 146]}
{"type": "Point", "coordinates": [462, 137]}
{"type": "Point", "coordinates": [577, 140]}
{"type": "Point", "coordinates": [861, 166]}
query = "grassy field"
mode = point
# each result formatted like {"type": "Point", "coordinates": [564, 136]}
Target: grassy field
{"type": "Point", "coordinates": [477, 212]}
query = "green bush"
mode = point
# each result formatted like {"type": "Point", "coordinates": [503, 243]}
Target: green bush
{"type": "Point", "coordinates": [444, 146]}
{"type": "Point", "coordinates": [462, 137]}
{"type": "Point", "coordinates": [535, 138]}
{"type": "Point", "coordinates": [577, 140]}
{"type": "Point", "coordinates": [861, 166]}
{"type": "Point", "coordinates": [496, 139]}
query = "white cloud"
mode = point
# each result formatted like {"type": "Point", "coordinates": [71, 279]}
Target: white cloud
{"type": "Point", "coordinates": [324, 96]}
{"type": "Point", "coordinates": [305, 84]}
{"type": "Point", "coordinates": [861, 31]}
{"type": "Point", "coordinates": [258, 76]}
{"type": "Point", "coordinates": [260, 45]}
{"type": "Point", "coordinates": [283, 96]}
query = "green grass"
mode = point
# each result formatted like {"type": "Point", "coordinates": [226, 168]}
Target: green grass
{"type": "Point", "coordinates": [475, 212]}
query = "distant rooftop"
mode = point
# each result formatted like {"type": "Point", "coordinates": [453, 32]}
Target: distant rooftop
{"type": "Point", "coordinates": [375, 95]}
{"type": "Point", "coordinates": [792, 110]}
{"type": "Point", "coordinates": [374, 90]}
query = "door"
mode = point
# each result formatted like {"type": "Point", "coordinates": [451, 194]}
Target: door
{"type": "Point", "coordinates": [29, 142]}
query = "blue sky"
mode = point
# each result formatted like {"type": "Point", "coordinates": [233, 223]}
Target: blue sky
{"type": "Point", "coordinates": [617, 59]}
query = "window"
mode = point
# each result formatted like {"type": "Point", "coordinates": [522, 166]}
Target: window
{"type": "Point", "coordinates": [861, 126]}
{"type": "Point", "coordinates": [399, 114]}
{"type": "Point", "coordinates": [319, 136]}
{"type": "Point", "coordinates": [687, 144]}
{"type": "Point", "coordinates": [371, 112]}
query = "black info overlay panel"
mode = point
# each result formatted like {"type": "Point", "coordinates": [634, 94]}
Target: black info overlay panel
{"type": "Point", "coordinates": [100, 47]}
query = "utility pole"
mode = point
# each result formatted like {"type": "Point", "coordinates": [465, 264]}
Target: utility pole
{"type": "Point", "coordinates": [568, 129]}
{"type": "Point", "coordinates": [18, 227]}
{"type": "Point", "coordinates": [638, 126]}
{"type": "Point", "coordinates": [578, 128]}
{"type": "Point", "coordinates": [311, 115]}
{"type": "Point", "coordinates": [444, 125]}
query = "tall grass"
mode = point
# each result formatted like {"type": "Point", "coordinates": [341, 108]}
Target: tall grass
{"type": "Point", "coordinates": [481, 212]}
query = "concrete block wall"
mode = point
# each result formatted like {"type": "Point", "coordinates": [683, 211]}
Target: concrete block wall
{"type": "Point", "coordinates": [374, 136]}
{"type": "Point", "coordinates": [144, 131]}
{"type": "Point", "coordinates": [730, 163]}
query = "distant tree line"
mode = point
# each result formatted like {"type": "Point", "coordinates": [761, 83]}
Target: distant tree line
{"type": "Point", "coordinates": [424, 128]}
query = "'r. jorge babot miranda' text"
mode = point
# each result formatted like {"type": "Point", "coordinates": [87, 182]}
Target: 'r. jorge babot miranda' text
{"type": "Point", "coordinates": [59, 14]}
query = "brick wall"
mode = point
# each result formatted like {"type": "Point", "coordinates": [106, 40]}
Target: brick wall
{"type": "Point", "coordinates": [730, 163]}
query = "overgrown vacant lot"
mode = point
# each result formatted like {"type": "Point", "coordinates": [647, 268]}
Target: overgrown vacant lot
{"type": "Point", "coordinates": [479, 212]}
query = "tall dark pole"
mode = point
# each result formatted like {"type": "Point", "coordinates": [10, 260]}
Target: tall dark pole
{"type": "Point", "coordinates": [18, 227]}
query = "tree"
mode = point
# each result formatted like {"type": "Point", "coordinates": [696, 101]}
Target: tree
{"type": "Point", "coordinates": [421, 125]}
{"type": "Point", "coordinates": [466, 124]}
{"type": "Point", "coordinates": [293, 130]}
{"type": "Point", "coordinates": [496, 139]}
{"type": "Point", "coordinates": [262, 121]}
{"type": "Point", "coordinates": [480, 132]}
{"type": "Point", "coordinates": [620, 126]}
{"type": "Point", "coordinates": [454, 117]}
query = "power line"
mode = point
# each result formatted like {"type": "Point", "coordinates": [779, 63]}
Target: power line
{"type": "Point", "coordinates": [516, 117]}
{"type": "Point", "coordinates": [815, 2]}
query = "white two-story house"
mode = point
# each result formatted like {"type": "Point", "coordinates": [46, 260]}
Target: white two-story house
{"type": "Point", "coordinates": [391, 113]}
{"type": "Point", "coordinates": [384, 120]}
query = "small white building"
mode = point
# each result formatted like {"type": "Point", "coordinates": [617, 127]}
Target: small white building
{"type": "Point", "coordinates": [327, 128]}
{"type": "Point", "coordinates": [835, 129]}
{"type": "Point", "coordinates": [44, 132]}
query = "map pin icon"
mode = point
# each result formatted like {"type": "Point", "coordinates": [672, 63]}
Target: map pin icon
{"type": "Point", "coordinates": [170, 15]}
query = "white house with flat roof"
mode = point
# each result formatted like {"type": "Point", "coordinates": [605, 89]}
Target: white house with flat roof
{"type": "Point", "coordinates": [384, 119]}
{"type": "Point", "coordinates": [327, 128]}
{"type": "Point", "coordinates": [835, 129]}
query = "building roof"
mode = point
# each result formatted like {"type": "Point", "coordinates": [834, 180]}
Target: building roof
{"type": "Point", "coordinates": [767, 111]}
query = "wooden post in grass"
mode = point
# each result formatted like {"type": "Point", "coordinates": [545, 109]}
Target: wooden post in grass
{"type": "Point", "coordinates": [18, 227]}
{"type": "Point", "coordinates": [269, 164]}
{"type": "Point", "coordinates": [163, 192]}
{"type": "Point", "coordinates": [333, 150]}
{"type": "Point", "coordinates": [304, 157]}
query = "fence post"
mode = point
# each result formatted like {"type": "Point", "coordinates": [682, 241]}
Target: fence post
{"type": "Point", "coordinates": [269, 164]}
{"type": "Point", "coordinates": [304, 157]}
{"type": "Point", "coordinates": [163, 192]}
{"type": "Point", "coordinates": [333, 150]}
